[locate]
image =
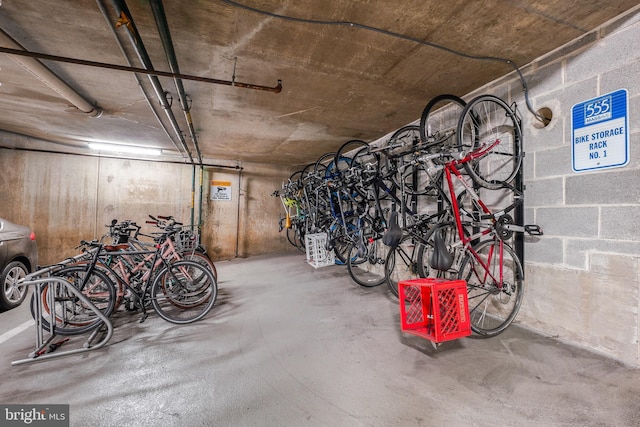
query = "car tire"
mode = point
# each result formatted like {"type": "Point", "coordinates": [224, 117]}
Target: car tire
{"type": "Point", "coordinates": [12, 293]}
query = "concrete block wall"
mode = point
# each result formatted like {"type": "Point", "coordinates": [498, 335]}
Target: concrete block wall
{"type": "Point", "coordinates": [582, 276]}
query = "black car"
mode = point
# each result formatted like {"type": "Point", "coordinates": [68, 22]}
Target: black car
{"type": "Point", "coordinates": [18, 257]}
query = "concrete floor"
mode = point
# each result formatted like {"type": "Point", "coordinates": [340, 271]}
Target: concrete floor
{"type": "Point", "coordinates": [288, 345]}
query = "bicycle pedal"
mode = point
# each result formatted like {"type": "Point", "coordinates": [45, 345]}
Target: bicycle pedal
{"type": "Point", "coordinates": [533, 230]}
{"type": "Point", "coordinates": [54, 346]}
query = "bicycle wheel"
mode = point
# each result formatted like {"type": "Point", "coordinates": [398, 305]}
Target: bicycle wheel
{"type": "Point", "coordinates": [296, 238]}
{"type": "Point", "coordinates": [439, 121]}
{"type": "Point", "coordinates": [184, 292]}
{"type": "Point", "coordinates": [404, 141]}
{"type": "Point", "coordinates": [306, 174]}
{"type": "Point", "coordinates": [340, 248]}
{"type": "Point", "coordinates": [373, 174]}
{"type": "Point", "coordinates": [417, 182]}
{"type": "Point", "coordinates": [493, 301]}
{"type": "Point", "coordinates": [487, 120]}
{"type": "Point", "coordinates": [345, 153]}
{"type": "Point", "coordinates": [105, 266]}
{"type": "Point", "coordinates": [366, 264]}
{"type": "Point", "coordinates": [70, 314]}
{"type": "Point", "coordinates": [295, 177]}
{"type": "Point", "coordinates": [403, 263]}
{"type": "Point", "coordinates": [325, 167]}
{"type": "Point", "coordinates": [340, 241]}
{"type": "Point", "coordinates": [204, 260]}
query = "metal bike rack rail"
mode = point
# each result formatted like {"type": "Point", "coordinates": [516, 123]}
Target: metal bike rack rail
{"type": "Point", "coordinates": [39, 282]}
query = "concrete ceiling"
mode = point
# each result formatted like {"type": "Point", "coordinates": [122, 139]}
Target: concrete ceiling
{"type": "Point", "coordinates": [339, 82]}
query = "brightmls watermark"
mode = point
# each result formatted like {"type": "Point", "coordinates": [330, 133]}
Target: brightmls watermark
{"type": "Point", "coordinates": [34, 415]}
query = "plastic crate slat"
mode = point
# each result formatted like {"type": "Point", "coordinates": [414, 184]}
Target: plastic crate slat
{"type": "Point", "coordinates": [317, 254]}
{"type": "Point", "coordinates": [435, 309]}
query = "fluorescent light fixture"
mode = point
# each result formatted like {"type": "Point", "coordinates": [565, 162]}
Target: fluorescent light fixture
{"type": "Point", "coordinates": [129, 149]}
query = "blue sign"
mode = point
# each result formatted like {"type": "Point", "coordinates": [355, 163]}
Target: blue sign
{"type": "Point", "coordinates": [600, 132]}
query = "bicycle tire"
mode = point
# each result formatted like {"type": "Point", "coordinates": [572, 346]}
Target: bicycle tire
{"type": "Point", "coordinates": [402, 263]}
{"type": "Point", "coordinates": [296, 238]}
{"type": "Point", "coordinates": [374, 181]}
{"type": "Point", "coordinates": [439, 120]}
{"type": "Point", "coordinates": [340, 257]}
{"type": "Point", "coordinates": [485, 120]}
{"type": "Point", "coordinates": [306, 172]}
{"type": "Point", "coordinates": [367, 269]}
{"type": "Point", "coordinates": [341, 245]}
{"type": "Point", "coordinates": [296, 176]}
{"type": "Point", "coordinates": [415, 181]}
{"type": "Point", "coordinates": [72, 316]}
{"type": "Point", "coordinates": [405, 140]}
{"type": "Point", "coordinates": [202, 259]}
{"type": "Point", "coordinates": [491, 308]}
{"type": "Point", "coordinates": [184, 292]}
{"type": "Point", "coordinates": [325, 166]}
{"type": "Point", "coordinates": [345, 154]}
{"type": "Point", "coordinates": [107, 269]}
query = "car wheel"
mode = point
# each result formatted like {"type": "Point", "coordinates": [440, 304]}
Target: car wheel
{"type": "Point", "coordinates": [13, 292]}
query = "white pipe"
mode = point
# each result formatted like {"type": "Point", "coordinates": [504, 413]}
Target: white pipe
{"type": "Point", "coordinates": [49, 78]}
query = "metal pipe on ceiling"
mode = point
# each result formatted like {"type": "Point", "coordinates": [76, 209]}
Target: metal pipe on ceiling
{"type": "Point", "coordinates": [165, 36]}
{"type": "Point", "coordinates": [137, 77]}
{"type": "Point", "coordinates": [126, 20]}
{"type": "Point", "coordinates": [49, 78]}
{"type": "Point", "coordinates": [105, 65]}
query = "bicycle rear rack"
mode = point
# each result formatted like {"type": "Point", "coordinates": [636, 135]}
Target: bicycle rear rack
{"type": "Point", "coordinates": [44, 341]}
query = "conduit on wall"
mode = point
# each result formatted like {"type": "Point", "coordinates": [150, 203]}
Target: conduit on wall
{"type": "Point", "coordinates": [167, 44]}
{"type": "Point", "coordinates": [171, 162]}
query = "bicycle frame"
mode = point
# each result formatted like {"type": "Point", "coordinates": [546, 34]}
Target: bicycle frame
{"type": "Point", "coordinates": [163, 254]}
{"type": "Point", "coordinates": [451, 171]}
{"type": "Point", "coordinates": [152, 260]}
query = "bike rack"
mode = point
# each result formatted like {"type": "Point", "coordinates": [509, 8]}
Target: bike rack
{"type": "Point", "coordinates": [41, 343]}
{"type": "Point", "coordinates": [519, 216]}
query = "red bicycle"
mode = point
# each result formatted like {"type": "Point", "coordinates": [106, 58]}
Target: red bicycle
{"type": "Point", "coordinates": [473, 245]}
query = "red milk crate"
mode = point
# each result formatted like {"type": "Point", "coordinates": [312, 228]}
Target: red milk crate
{"type": "Point", "coordinates": [435, 309]}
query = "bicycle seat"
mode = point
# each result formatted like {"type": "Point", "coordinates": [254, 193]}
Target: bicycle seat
{"type": "Point", "coordinates": [115, 248]}
{"type": "Point", "coordinates": [441, 259]}
{"type": "Point", "coordinates": [394, 233]}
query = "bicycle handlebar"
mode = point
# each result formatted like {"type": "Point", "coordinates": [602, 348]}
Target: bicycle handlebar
{"type": "Point", "coordinates": [162, 221]}
{"type": "Point", "coordinates": [93, 243]}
